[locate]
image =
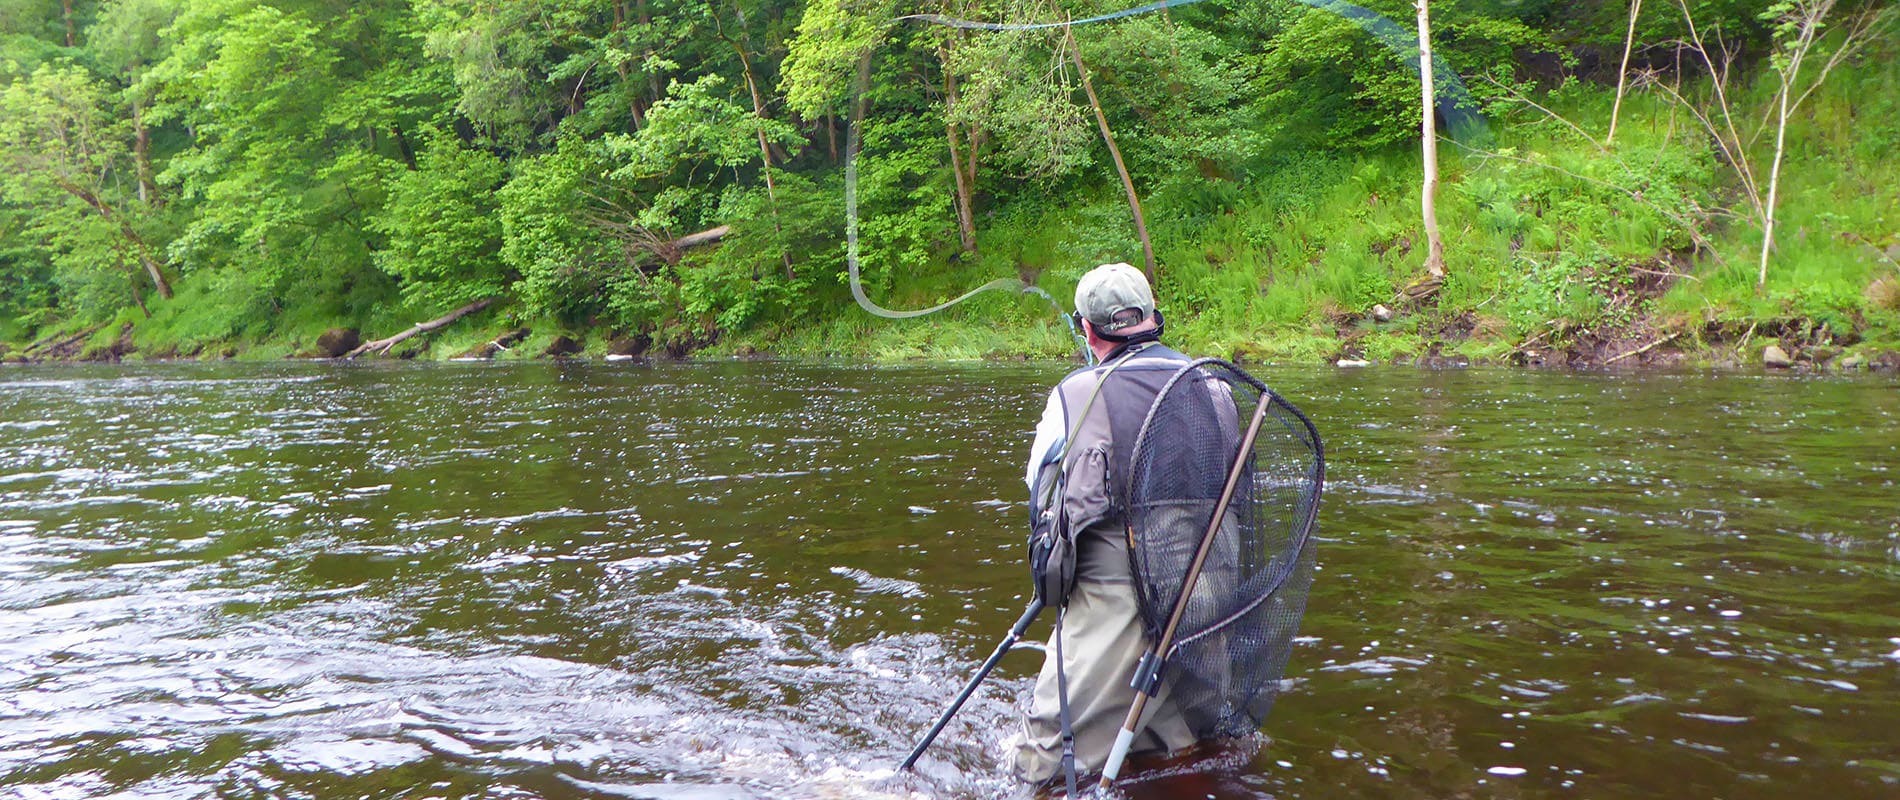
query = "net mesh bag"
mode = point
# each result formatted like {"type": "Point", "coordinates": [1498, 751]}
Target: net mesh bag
{"type": "Point", "coordinates": [1230, 646]}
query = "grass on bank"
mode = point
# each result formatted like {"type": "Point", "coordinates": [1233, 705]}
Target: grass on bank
{"type": "Point", "coordinates": [1548, 238]}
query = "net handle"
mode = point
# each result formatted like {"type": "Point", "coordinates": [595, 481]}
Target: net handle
{"type": "Point", "coordinates": [1114, 765]}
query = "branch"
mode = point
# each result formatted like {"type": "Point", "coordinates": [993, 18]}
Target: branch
{"type": "Point", "coordinates": [1719, 79]}
{"type": "Point", "coordinates": [1644, 349]}
{"type": "Point", "coordinates": [1512, 95]}
{"type": "Point", "coordinates": [705, 237]}
{"type": "Point", "coordinates": [1857, 35]}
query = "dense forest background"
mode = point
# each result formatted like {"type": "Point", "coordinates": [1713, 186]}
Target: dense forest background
{"type": "Point", "coordinates": [271, 177]}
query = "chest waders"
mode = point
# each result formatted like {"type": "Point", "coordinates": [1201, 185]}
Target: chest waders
{"type": "Point", "coordinates": [1053, 570]}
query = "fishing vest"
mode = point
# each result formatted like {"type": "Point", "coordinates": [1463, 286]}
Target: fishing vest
{"type": "Point", "coordinates": [1094, 492]}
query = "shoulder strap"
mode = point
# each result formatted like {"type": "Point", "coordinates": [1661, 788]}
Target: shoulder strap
{"type": "Point", "coordinates": [1067, 455]}
{"type": "Point", "coordinates": [1062, 707]}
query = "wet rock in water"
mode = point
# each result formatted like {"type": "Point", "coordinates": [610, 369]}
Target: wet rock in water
{"type": "Point", "coordinates": [1352, 362]}
{"type": "Point", "coordinates": [1774, 356]}
{"type": "Point", "coordinates": [562, 346]}
{"type": "Point", "coordinates": [1851, 362]}
{"type": "Point", "coordinates": [1381, 313]}
{"type": "Point", "coordinates": [337, 342]}
{"type": "Point", "coordinates": [495, 347]}
{"type": "Point", "coordinates": [633, 346]}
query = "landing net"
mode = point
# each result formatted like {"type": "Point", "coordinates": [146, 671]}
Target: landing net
{"type": "Point", "coordinates": [1230, 647]}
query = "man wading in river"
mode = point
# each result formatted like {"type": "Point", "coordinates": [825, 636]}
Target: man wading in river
{"type": "Point", "coordinates": [1084, 438]}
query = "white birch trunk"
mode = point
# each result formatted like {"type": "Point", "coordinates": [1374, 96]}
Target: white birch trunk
{"type": "Point", "coordinates": [1623, 71]}
{"type": "Point", "coordinates": [1435, 252]}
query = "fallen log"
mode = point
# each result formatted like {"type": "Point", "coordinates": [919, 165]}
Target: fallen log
{"type": "Point", "coordinates": [672, 251]}
{"type": "Point", "coordinates": [57, 346]}
{"type": "Point", "coordinates": [382, 346]}
{"type": "Point", "coordinates": [707, 236]}
{"type": "Point", "coordinates": [1644, 349]}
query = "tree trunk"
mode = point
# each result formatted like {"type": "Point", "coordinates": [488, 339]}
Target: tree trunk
{"type": "Point", "coordinates": [653, 79]}
{"type": "Point", "coordinates": [1115, 153]}
{"type": "Point", "coordinates": [66, 9]}
{"type": "Point", "coordinates": [633, 106]}
{"type": "Point", "coordinates": [705, 237]}
{"type": "Point", "coordinates": [382, 346]}
{"type": "Point", "coordinates": [1435, 250]}
{"type": "Point", "coordinates": [151, 265]}
{"type": "Point", "coordinates": [138, 298]}
{"type": "Point", "coordinates": [142, 155]}
{"type": "Point", "coordinates": [1622, 72]}
{"type": "Point", "coordinates": [765, 157]}
{"type": "Point", "coordinates": [965, 203]}
{"type": "Point", "coordinates": [1774, 181]}
{"type": "Point", "coordinates": [125, 230]}
{"type": "Point", "coordinates": [402, 146]}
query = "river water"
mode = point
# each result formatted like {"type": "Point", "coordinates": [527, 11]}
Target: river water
{"type": "Point", "coordinates": [764, 580]}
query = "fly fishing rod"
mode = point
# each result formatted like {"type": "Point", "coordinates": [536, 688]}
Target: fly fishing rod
{"type": "Point", "coordinates": [1015, 634]}
{"type": "Point", "coordinates": [1148, 673]}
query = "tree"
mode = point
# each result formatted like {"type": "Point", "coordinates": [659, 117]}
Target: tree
{"type": "Point", "coordinates": [1623, 70]}
{"type": "Point", "coordinates": [1114, 153]}
{"type": "Point", "coordinates": [127, 40]}
{"type": "Point", "coordinates": [760, 117]}
{"type": "Point", "coordinates": [1435, 253]}
{"type": "Point", "coordinates": [442, 226]}
{"type": "Point", "coordinates": [292, 115]}
{"type": "Point", "coordinates": [60, 138]}
{"type": "Point", "coordinates": [1798, 28]}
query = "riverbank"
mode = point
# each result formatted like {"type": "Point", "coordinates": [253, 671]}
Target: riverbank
{"type": "Point", "coordinates": [1419, 339]}
{"type": "Point", "coordinates": [1553, 260]}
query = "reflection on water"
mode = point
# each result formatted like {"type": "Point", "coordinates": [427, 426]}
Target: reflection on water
{"type": "Point", "coordinates": [764, 580]}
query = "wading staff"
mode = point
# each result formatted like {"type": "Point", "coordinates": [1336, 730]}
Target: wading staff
{"type": "Point", "coordinates": [1148, 672]}
{"type": "Point", "coordinates": [1015, 633]}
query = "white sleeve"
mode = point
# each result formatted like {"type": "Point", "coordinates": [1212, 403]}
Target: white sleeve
{"type": "Point", "coordinates": [1049, 436]}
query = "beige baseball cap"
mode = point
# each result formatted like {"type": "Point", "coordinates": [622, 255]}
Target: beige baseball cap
{"type": "Point", "coordinates": [1113, 297]}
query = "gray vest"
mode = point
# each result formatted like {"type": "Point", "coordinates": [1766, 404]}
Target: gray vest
{"type": "Point", "coordinates": [1096, 488]}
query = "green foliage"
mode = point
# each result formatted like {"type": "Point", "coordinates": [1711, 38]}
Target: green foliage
{"type": "Point", "coordinates": [441, 228]}
{"type": "Point", "coordinates": [62, 148]}
{"type": "Point", "coordinates": [546, 239]}
{"type": "Point", "coordinates": [820, 63]}
{"type": "Point", "coordinates": [294, 165]}
{"type": "Point", "coordinates": [903, 199]}
{"type": "Point", "coordinates": [1018, 87]}
{"type": "Point", "coordinates": [697, 123]}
